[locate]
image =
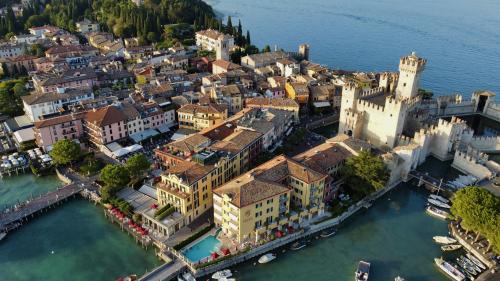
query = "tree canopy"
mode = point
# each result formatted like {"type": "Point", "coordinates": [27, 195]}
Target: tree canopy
{"type": "Point", "coordinates": [65, 152]}
{"type": "Point", "coordinates": [366, 172]}
{"type": "Point", "coordinates": [479, 211]}
{"type": "Point", "coordinates": [137, 165]}
{"type": "Point", "coordinates": [115, 176]}
{"type": "Point", "coordinates": [11, 92]}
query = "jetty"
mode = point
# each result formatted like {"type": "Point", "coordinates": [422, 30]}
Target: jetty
{"type": "Point", "coordinates": [15, 216]}
{"type": "Point", "coordinates": [430, 182]}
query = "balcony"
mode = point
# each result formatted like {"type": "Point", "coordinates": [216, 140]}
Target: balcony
{"type": "Point", "coordinates": [233, 226]}
{"type": "Point", "coordinates": [217, 217]}
{"type": "Point", "coordinates": [217, 208]}
{"type": "Point", "coordinates": [233, 217]}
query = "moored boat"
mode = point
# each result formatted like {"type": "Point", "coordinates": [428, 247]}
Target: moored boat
{"type": "Point", "coordinates": [444, 240]}
{"type": "Point", "coordinates": [450, 271]}
{"type": "Point", "coordinates": [438, 203]}
{"type": "Point", "coordinates": [2, 235]}
{"type": "Point", "coordinates": [186, 276]}
{"type": "Point", "coordinates": [298, 245]}
{"type": "Point", "coordinates": [437, 212]}
{"type": "Point", "coordinates": [399, 278]}
{"type": "Point", "coordinates": [362, 272]}
{"type": "Point", "coordinates": [223, 274]}
{"type": "Point", "coordinates": [451, 247]}
{"type": "Point", "coordinates": [466, 267]}
{"type": "Point", "coordinates": [328, 233]}
{"type": "Point", "coordinates": [475, 260]}
{"type": "Point", "coordinates": [267, 258]}
{"type": "Point", "coordinates": [439, 198]}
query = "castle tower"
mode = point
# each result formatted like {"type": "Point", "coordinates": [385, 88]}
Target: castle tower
{"type": "Point", "coordinates": [222, 48]}
{"type": "Point", "coordinates": [410, 69]}
{"type": "Point", "coordinates": [350, 96]}
{"type": "Point", "coordinates": [304, 51]}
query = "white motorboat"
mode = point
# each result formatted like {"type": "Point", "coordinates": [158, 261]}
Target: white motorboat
{"type": "Point", "coordinates": [362, 272]}
{"type": "Point", "coordinates": [437, 212]}
{"type": "Point", "coordinates": [399, 278]}
{"type": "Point", "coordinates": [2, 235]}
{"type": "Point", "coordinates": [475, 260]}
{"type": "Point", "coordinates": [452, 247]}
{"type": "Point", "coordinates": [444, 240]}
{"type": "Point", "coordinates": [439, 198]}
{"type": "Point", "coordinates": [451, 271]}
{"type": "Point", "coordinates": [298, 245]}
{"type": "Point", "coordinates": [219, 275]}
{"type": "Point", "coordinates": [267, 258]}
{"type": "Point", "coordinates": [186, 276]}
{"type": "Point", "coordinates": [438, 203]}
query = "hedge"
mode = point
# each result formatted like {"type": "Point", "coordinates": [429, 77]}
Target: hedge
{"type": "Point", "coordinates": [161, 210]}
{"type": "Point", "coordinates": [193, 237]}
{"type": "Point", "coordinates": [165, 213]}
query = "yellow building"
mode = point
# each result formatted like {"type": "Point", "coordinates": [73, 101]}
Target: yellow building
{"type": "Point", "coordinates": [195, 168]}
{"type": "Point", "coordinates": [259, 201]}
{"type": "Point", "coordinates": [297, 91]}
{"type": "Point", "coordinates": [199, 117]}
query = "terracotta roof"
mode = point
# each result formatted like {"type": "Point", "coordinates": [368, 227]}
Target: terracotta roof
{"type": "Point", "coordinates": [58, 120]}
{"type": "Point", "coordinates": [190, 143]}
{"type": "Point", "coordinates": [281, 166]}
{"type": "Point", "coordinates": [209, 109]}
{"type": "Point", "coordinates": [190, 172]}
{"type": "Point", "coordinates": [212, 34]}
{"type": "Point", "coordinates": [237, 141]}
{"type": "Point", "coordinates": [246, 190]}
{"type": "Point", "coordinates": [281, 102]}
{"type": "Point", "coordinates": [227, 65]}
{"type": "Point", "coordinates": [323, 156]}
{"type": "Point", "coordinates": [105, 116]}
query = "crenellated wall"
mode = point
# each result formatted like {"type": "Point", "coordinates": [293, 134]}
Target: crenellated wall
{"type": "Point", "coordinates": [486, 144]}
{"type": "Point", "coordinates": [472, 163]}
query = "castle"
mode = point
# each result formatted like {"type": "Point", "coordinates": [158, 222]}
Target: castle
{"type": "Point", "coordinates": [408, 127]}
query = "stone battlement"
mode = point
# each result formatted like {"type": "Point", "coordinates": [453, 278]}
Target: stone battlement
{"type": "Point", "coordinates": [412, 63]}
{"type": "Point", "coordinates": [372, 92]}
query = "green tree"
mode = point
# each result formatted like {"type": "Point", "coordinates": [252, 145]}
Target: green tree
{"type": "Point", "coordinates": [248, 41]}
{"type": "Point", "coordinates": [229, 25]}
{"type": "Point", "coordinates": [65, 152]}
{"type": "Point", "coordinates": [479, 211]}
{"type": "Point", "coordinates": [115, 176]}
{"type": "Point", "coordinates": [137, 165]}
{"type": "Point", "coordinates": [266, 49]}
{"type": "Point", "coordinates": [366, 172]}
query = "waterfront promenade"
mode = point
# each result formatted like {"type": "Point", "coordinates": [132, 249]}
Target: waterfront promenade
{"type": "Point", "coordinates": [169, 271]}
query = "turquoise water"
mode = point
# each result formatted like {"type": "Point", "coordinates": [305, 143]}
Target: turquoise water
{"type": "Point", "coordinates": [395, 236]}
{"type": "Point", "coordinates": [85, 245]}
{"type": "Point", "coordinates": [460, 38]}
{"type": "Point", "coordinates": [202, 249]}
{"type": "Point", "coordinates": [20, 188]}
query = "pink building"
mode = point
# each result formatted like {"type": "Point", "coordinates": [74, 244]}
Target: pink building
{"type": "Point", "coordinates": [105, 125]}
{"type": "Point", "coordinates": [49, 131]}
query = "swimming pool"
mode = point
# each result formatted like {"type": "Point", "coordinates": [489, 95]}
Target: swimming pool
{"type": "Point", "coordinates": [202, 249]}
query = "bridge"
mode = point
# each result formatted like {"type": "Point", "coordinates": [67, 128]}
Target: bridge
{"type": "Point", "coordinates": [425, 178]}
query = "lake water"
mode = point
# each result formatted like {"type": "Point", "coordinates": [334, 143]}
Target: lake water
{"type": "Point", "coordinates": [460, 38]}
{"type": "Point", "coordinates": [85, 245]}
{"type": "Point", "coordinates": [395, 236]}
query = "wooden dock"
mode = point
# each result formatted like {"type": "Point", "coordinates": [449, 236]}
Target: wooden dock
{"type": "Point", "coordinates": [16, 216]}
{"type": "Point", "coordinates": [430, 182]}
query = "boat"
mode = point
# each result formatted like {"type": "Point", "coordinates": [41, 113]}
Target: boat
{"type": "Point", "coordinates": [465, 266]}
{"type": "Point", "coordinates": [471, 264]}
{"type": "Point", "coordinates": [226, 273]}
{"type": "Point", "coordinates": [439, 198]}
{"type": "Point", "coordinates": [399, 278]}
{"type": "Point", "coordinates": [438, 203]}
{"type": "Point", "coordinates": [437, 212]}
{"type": "Point", "coordinates": [449, 269]}
{"type": "Point", "coordinates": [444, 240]}
{"type": "Point", "coordinates": [328, 233]}
{"type": "Point", "coordinates": [475, 260]}
{"type": "Point", "coordinates": [451, 247]}
{"type": "Point", "coordinates": [186, 276]}
{"type": "Point", "coordinates": [267, 258]}
{"type": "Point", "coordinates": [362, 272]}
{"type": "Point", "coordinates": [298, 245]}
{"type": "Point", "coordinates": [227, 279]}
{"type": "Point", "coordinates": [2, 235]}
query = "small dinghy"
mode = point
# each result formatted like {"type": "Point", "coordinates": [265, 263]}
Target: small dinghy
{"type": "Point", "coordinates": [439, 198]}
{"type": "Point", "coordinates": [223, 274]}
{"type": "Point", "coordinates": [267, 258]}
{"type": "Point", "coordinates": [438, 203]}
{"type": "Point", "coordinates": [452, 247]}
{"type": "Point", "coordinates": [444, 240]}
{"type": "Point", "coordinates": [328, 233]}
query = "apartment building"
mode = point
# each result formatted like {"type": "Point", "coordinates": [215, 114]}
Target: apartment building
{"type": "Point", "coordinates": [105, 125]}
{"type": "Point", "coordinates": [198, 117]}
{"type": "Point", "coordinates": [208, 39]}
{"type": "Point", "coordinates": [49, 131]}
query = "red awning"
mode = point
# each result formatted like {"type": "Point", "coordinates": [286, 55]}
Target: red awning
{"type": "Point", "coordinates": [279, 233]}
{"type": "Point", "coordinates": [154, 206]}
{"type": "Point", "coordinates": [214, 255]}
{"type": "Point", "coordinates": [226, 251]}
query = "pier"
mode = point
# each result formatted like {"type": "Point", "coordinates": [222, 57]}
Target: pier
{"type": "Point", "coordinates": [17, 215]}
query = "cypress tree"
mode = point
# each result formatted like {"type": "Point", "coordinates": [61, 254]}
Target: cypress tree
{"type": "Point", "coordinates": [249, 42]}
{"type": "Point", "coordinates": [229, 26]}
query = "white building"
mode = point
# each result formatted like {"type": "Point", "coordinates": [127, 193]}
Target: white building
{"type": "Point", "coordinates": [87, 25]}
{"type": "Point", "coordinates": [37, 105]}
{"type": "Point", "coordinates": [9, 50]}
{"type": "Point", "coordinates": [209, 40]}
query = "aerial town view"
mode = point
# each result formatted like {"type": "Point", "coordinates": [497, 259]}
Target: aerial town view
{"type": "Point", "coordinates": [258, 140]}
